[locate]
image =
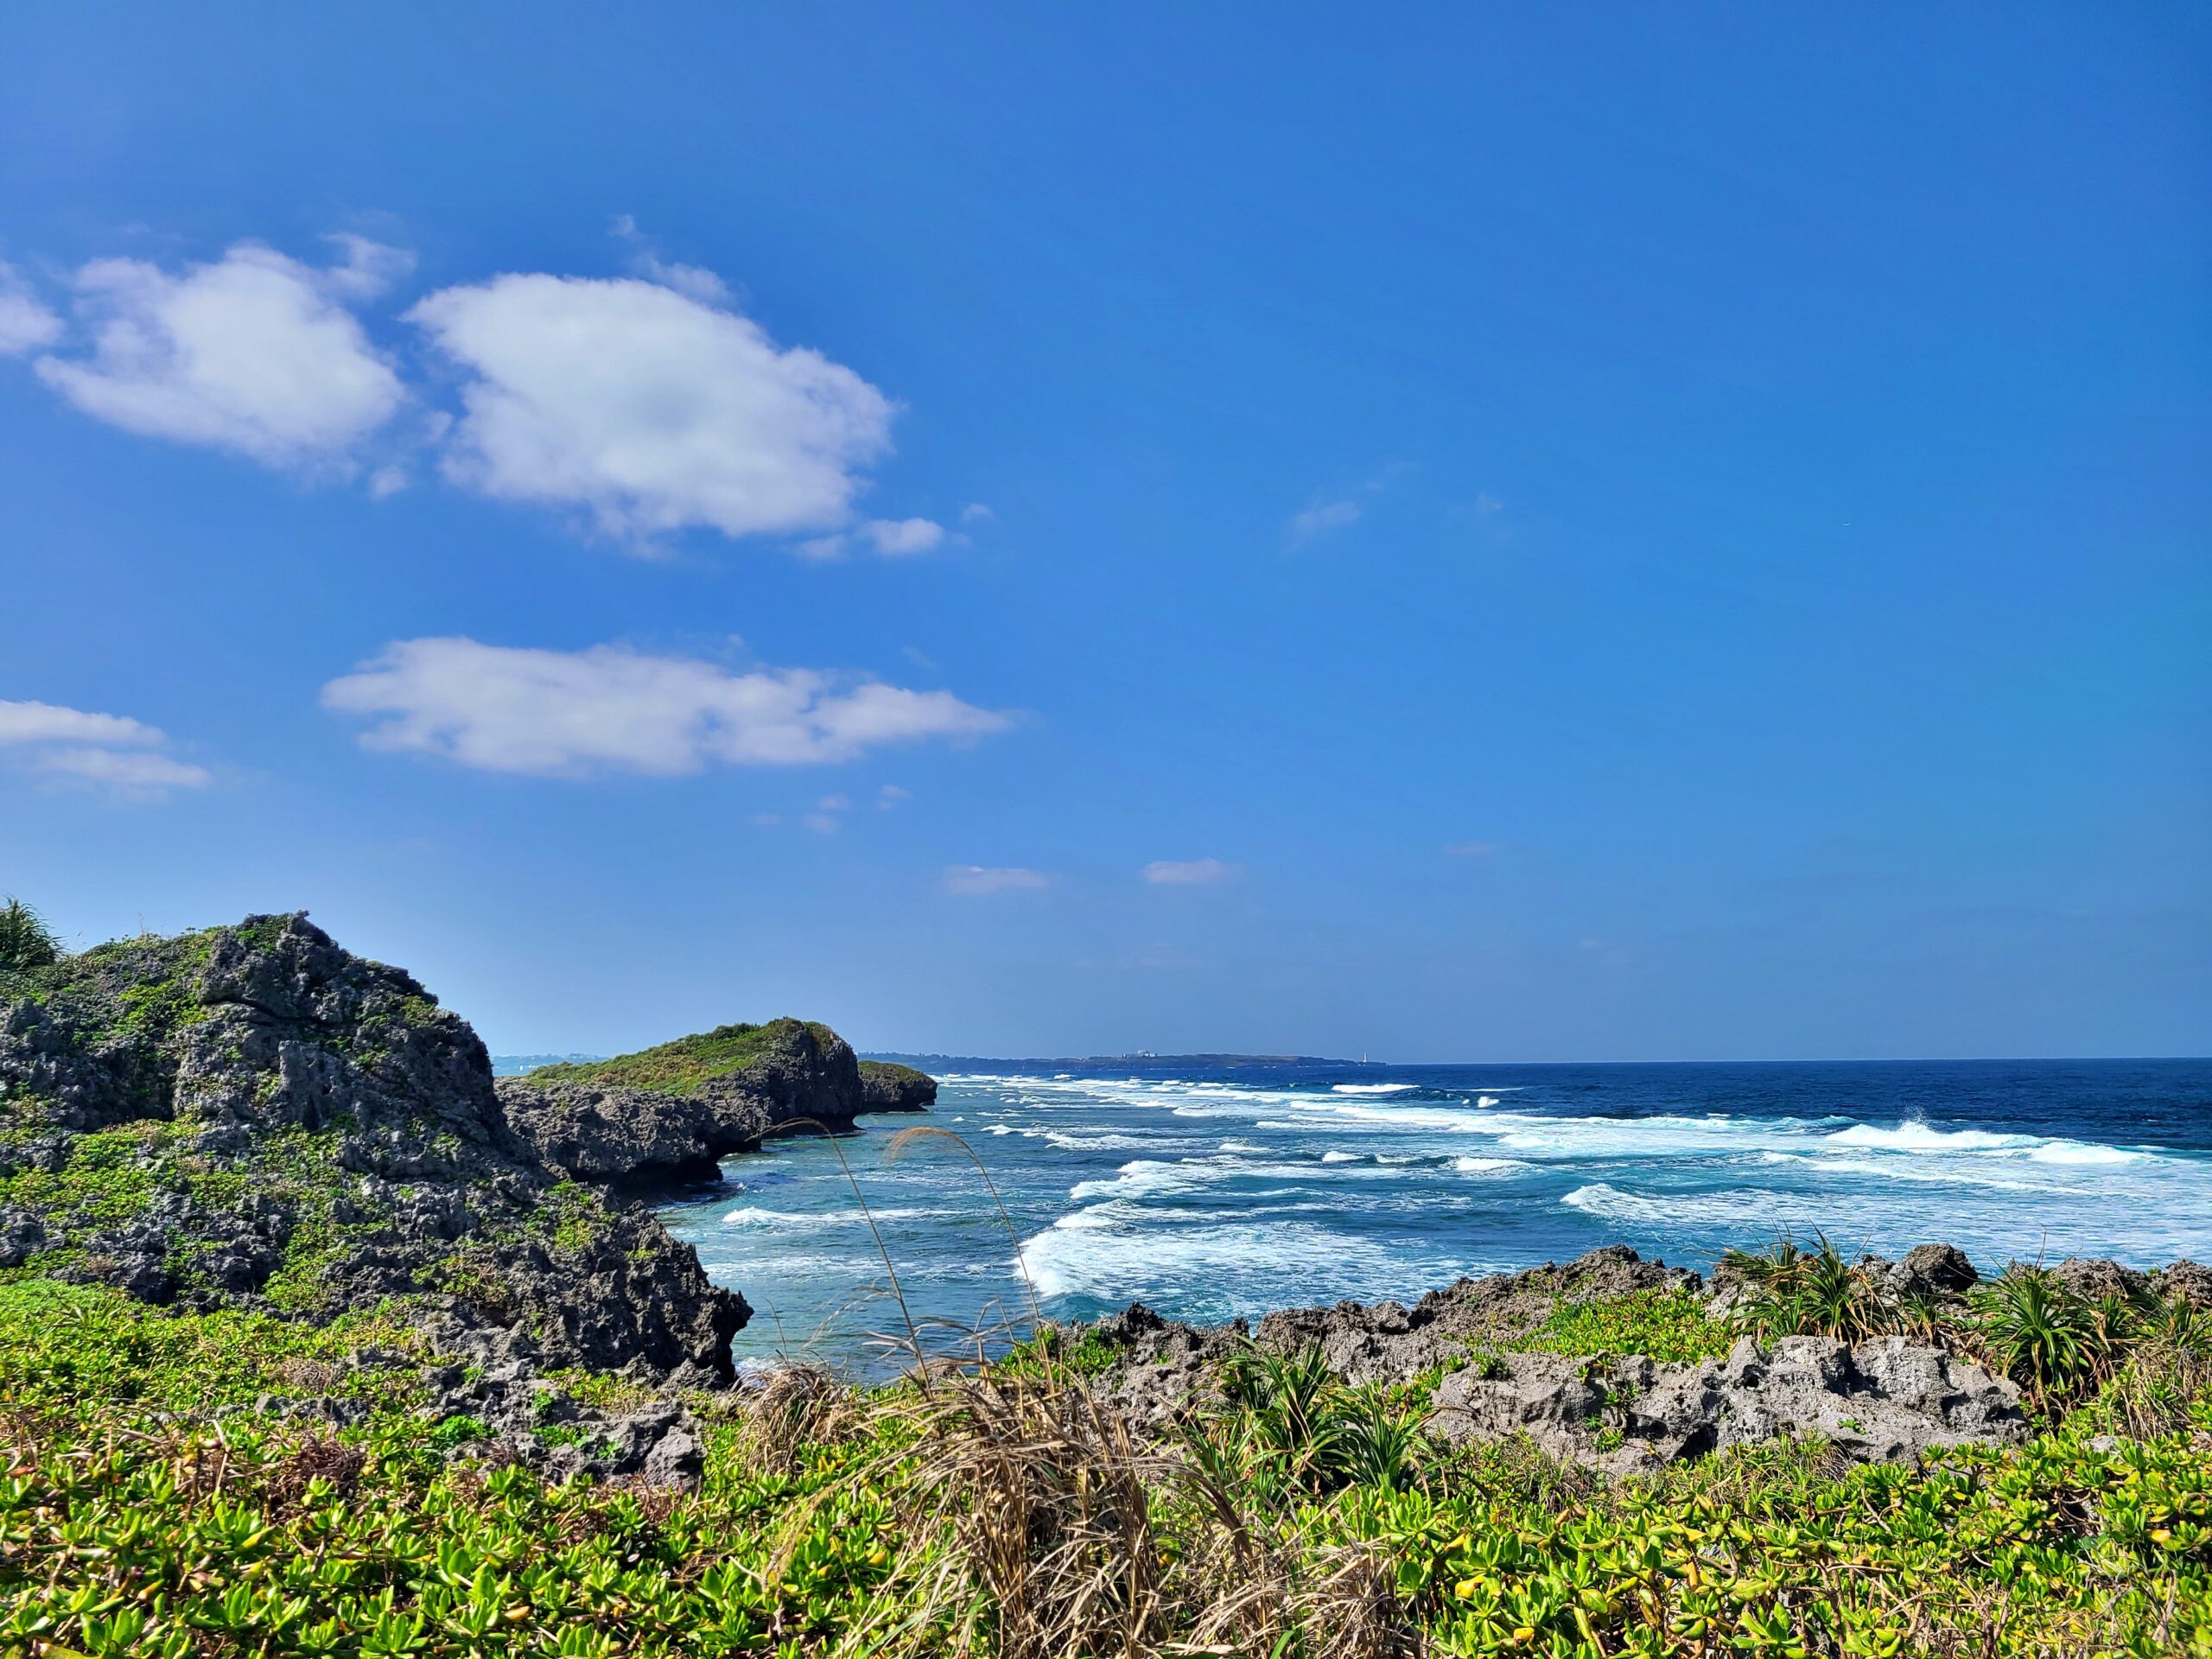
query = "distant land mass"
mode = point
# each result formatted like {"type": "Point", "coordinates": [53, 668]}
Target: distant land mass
{"type": "Point", "coordinates": [1140, 1060]}
{"type": "Point", "coordinates": [513, 1065]}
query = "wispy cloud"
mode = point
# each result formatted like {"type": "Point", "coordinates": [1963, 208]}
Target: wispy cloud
{"type": "Point", "coordinates": [695, 281]}
{"type": "Point", "coordinates": [978, 881]}
{"type": "Point", "coordinates": [613, 709]}
{"type": "Point", "coordinates": [899, 537]}
{"type": "Point", "coordinates": [1319, 519]}
{"type": "Point", "coordinates": [112, 752]}
{"type": "Point", "coordinates": [26, 321]}
{"type": "Point", "coordinates": [1188, 873]}
{"type": "Point", "coordinates": [890, 795]}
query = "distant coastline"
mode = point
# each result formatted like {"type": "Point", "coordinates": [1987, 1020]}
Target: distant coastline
{"type": "Point", "coordinates": [516, 1066]}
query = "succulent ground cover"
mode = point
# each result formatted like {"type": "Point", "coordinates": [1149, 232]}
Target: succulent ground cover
{"type": "Point", "coordinates": [156, 1500]}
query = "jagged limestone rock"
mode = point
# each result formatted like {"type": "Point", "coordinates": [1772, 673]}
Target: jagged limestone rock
{"type": "Point", "coordinates": [254, 1116]}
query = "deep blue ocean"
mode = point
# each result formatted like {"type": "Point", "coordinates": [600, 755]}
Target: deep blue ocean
{"type": "Point", "coordinates": [1212, 1191]}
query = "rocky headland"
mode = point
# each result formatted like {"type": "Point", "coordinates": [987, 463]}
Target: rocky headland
{"type": "Point", "coordinates": [253, 1118]}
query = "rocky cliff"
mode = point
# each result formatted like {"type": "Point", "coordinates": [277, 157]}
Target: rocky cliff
{"type": "Point", "coordinates": [673, 1112]}
{"type": "Point", "coordinates": [254, 1116]}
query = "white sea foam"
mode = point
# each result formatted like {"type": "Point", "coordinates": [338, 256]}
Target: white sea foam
{"type": "Point", "coordinates": [1372, 1088]}
{"type": "Point", "coordinates": [1231, 1267]}
{"type": "Point", "coordinates": [1485, 1101]}
{"type": "Point", "coordinates": [754, 1215]}
{"type": "Point", "coordinates": [1736, 1208]}
{"type": "Point", "coordinates": [1945, 1173]}
{"type": "Point", "coordinates": [1914, 1136]}
{"type": "Point", "coordinates": [1100, 1141]}
{"type": "Point", "coordinates": [1486, 1165]}
{"type": "Point", "coordinates": [2078, 1152]}
{"type": "Point", "coordinates": [1241, 1146]}
{"type": "Point", "coordinates": [1333, 1156]}
{"type": "Point", "coordinates": [1917, 1138]}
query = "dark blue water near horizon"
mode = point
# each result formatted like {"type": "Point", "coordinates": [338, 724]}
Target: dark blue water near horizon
{"type": "Point", "coordinates": [1210, 1190]}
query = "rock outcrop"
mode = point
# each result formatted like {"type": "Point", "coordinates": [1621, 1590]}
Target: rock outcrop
{"type": "Point", "coordinates": [1889, 1399]}
{"type": "Point", "coordinates": [1164, 1362]}
{"type": "Point", "coordinates": [672, 1114]}
{"type": "Point", "coordinates": [254, 1116]}
{"type": "Point", "coordinates": [888, 1087]}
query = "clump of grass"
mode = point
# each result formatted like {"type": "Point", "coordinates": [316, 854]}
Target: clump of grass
{"type": "Point", "coordinates": [26, 942]}
{"type": "Point", "coordinates": [1794, 1292]}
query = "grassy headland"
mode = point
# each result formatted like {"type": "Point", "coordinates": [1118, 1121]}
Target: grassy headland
{"type": "Point", "coordinates": [688, 1064]}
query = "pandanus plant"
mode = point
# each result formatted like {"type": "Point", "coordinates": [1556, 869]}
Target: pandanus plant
{"type": "Point", "coordinates": [26, 942]}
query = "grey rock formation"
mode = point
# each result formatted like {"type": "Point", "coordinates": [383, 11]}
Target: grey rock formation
{"type": "Point", "coordinates": [2190, 1280]}
{"type": "Point", "coordinates": [802, 1078]}
{"type": "Point", "coordinates": [1168, 1361]}
{"type": "Point", "coordinates": [254, 1116]}
{"type": "Point", "coordinates": [1886, 1400]}
{"type": "Point", "coordinates": [485, 1400]}
{"type": "Point", "coordinates": [891, 1088]}
{"type": "Point", "coordinates": [1936, 1269]}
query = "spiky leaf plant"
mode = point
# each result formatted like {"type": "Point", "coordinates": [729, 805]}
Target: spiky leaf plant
{"type": "Point", "coordinates": [26, 942]}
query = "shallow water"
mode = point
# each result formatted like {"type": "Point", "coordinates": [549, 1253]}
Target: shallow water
{"type": "Point", "coordinates": [1210, 1193]}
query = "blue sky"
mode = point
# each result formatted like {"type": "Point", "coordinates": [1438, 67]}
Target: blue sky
{"type": "Point", "coordinates": [1520, 532]}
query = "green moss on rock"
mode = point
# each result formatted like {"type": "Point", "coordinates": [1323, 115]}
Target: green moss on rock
{"type": "Point", "coordinates": [688, 1064]}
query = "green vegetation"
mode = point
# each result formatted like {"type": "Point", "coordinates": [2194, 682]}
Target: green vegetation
{"type": "Point", "coordinates": [687, 1063]}
{"type": "Point", "coordinates": [903, 1075]}
{"type": "Point", "coordinates": [154, 1503]}
{"type": "Point", "coordinates": [26, 942]}
{"type": "Point", "coordinates": [2149, 1354]}
{"type": "Point", "coordinates": [1670, 1326]}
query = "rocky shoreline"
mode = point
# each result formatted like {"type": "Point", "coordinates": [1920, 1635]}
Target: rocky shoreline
{"type": "Point", "coordinates": [252, 1118]}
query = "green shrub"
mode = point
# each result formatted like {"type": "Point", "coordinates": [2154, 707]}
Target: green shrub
{"type": "Point", "coordinates": [26, 942]}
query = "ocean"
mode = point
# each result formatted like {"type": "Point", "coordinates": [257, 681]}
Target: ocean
{"type": "Point", "coordinates": [1212, 1191]}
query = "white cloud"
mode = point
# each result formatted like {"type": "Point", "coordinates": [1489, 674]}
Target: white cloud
{"type": "Point", "coordinates": [649, 409]}
{"type": "Point", "coordinates": [835, 802]}
{"type": "Point", "coordinates": [1320, 518]}
{"type": "Point", "coordinates": [696, 281]}
{"type": "Point", "coordinates": [610, 709]}
{"type": "Point", "coordinates": [1188, 873]}
{"type": "Point", "coordinates": [766, 820]}
{"type": "Point", "coordinates": [975, 882]}
{"type": "Point", "coordinates": [890, 795]}
{"type": "Point", "coordinates": [126, 772]}
{"type": "Point", "coordinates": [894, 537]}
{"type": "Point", "coordinates": [370, 267]}
{"type": "Point", "coordinates": [26, 323]}
{"type": "Point", "coordinates": [823, 823]}
{"type": "Point", "coordinates": [255, 354]}
{"type": "Point", "coordinates": [111, 752]}
{"type": "Point", "coordinates": [47, 722]}
{"type": "Point", "coordinates": [976, 513]}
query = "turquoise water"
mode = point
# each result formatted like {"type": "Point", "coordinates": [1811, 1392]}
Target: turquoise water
{"type": "Point", "coordinates": [1214, 1192]}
